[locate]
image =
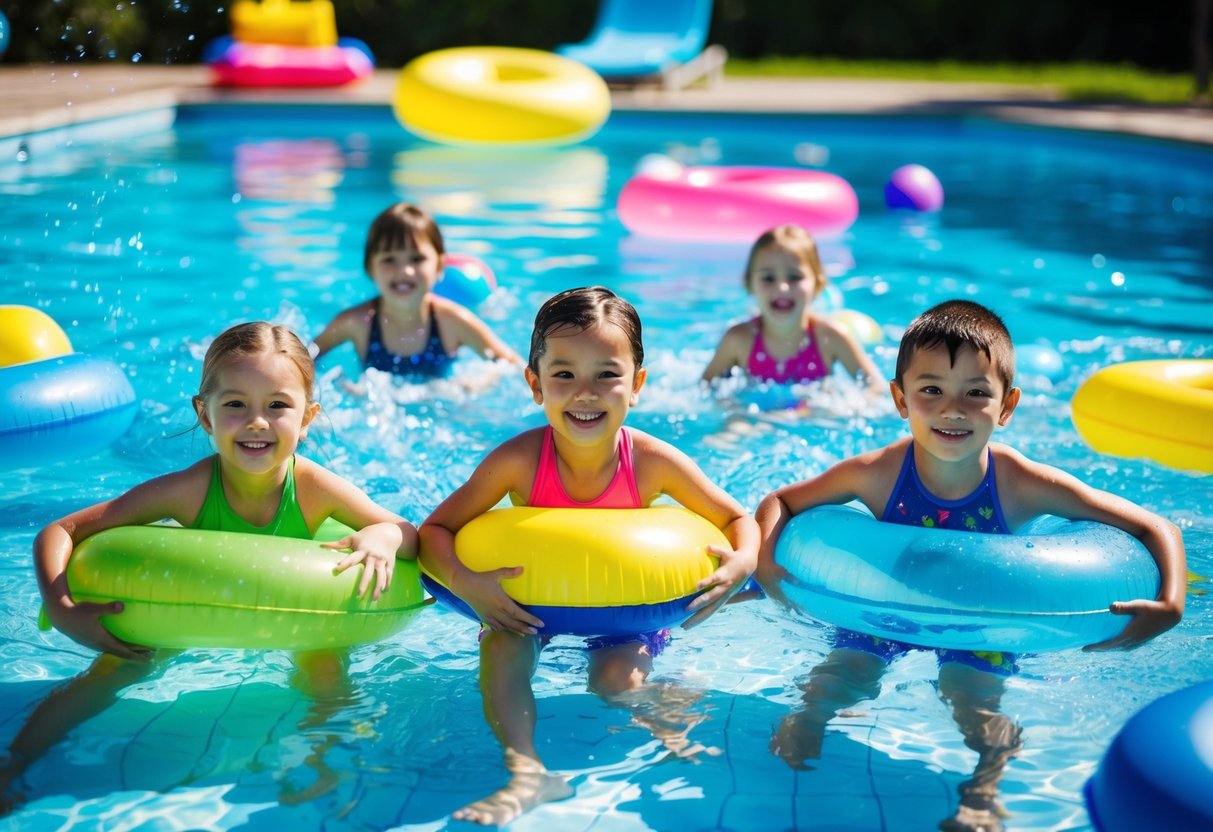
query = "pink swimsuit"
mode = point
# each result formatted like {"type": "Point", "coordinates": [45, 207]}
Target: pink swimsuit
{"type": "Point", "coordinates": [806, 365]}
{"type": "Point", "coordinates": [547, 491]}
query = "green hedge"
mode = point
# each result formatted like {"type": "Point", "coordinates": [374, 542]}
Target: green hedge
{"type": "Point", "coordinates": [1026, 31]}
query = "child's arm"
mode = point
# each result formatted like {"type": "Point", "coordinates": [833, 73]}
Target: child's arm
{"type": "Point", "coordinates": [472, 331]}
{"type": "Point", "coordinates": [837, 344]}
{"type": "Point", "coordinates": [380, 536]}
{"type": "Point", "coordinates": [662, 468]}
{"type": "Point", "coordinates": [865, 477]}
{"type": "Point", "coordinates": [732, 351]}
{"type": "Point", "coordinates": [495, 477]}
{"type": "Point", "coordinates": [350, 325]}
{"type": "Point", "coordinates": [177, 496]}
{"type": "Point", "coordinates": [1038, 489]}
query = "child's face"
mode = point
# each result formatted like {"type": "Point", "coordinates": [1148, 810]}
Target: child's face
{"type": "Point", "coordinates": [406, 273]}
{"type": "Point", "coordinates": [586, 382]}
{"type": "Point", "coordinates": [783, 285]}
{"type": "Point", "coordinates": [953, 408]}
{"type": "Point", "coordinates": [258, 413]}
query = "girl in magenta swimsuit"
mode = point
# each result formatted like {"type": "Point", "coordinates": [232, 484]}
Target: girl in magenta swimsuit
{"type": "Point", "coordinates": [788, 341]}
{"type": "Point", "coordinates": [585, 370]}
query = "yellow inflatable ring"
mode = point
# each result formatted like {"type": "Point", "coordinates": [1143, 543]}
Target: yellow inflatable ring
{"type": "Point", "coordinates": [592, 571]}
{"type": "Point", "coordinates": [194, 588]}
{"type": "Point", "coordinates": [1161, 410]}
{"type": "Point", "coordinates": [497, 94]}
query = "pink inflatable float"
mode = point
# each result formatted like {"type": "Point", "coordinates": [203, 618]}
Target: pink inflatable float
{"type": "Point", "coordinates": [734, 204]}
{"type": "Point", "coordinates": [241, 64]}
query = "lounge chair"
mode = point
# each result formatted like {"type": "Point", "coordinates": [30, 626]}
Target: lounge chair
{"type": "Point", "coordinates": [651, 41]}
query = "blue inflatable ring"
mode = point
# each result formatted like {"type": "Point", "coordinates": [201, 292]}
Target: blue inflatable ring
{"type": "Point", "coordinates": [66, 407]}
{"type": "Point", "coordinates": [1158, 772]}
{"type": "Point", "coordinates": [1046, 588]}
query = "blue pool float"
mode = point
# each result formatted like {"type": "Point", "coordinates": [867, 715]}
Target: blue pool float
{"type": "Point", "coordinates": [1046, 588]}
{"type": "Point", "coordinates": [66, 407]}
{"type": "Point", "coordinates": [1158, 772]}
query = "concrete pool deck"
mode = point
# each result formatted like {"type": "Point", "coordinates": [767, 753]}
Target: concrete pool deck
{"type": "Point", "coordinates": [40, 98]}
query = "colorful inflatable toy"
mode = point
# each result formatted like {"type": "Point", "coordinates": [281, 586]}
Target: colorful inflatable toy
{"type": "Point", "coordinates": [191, 588]}
{"type": "Point", "coordinates": [500, 95]}
{"type": "Point", "coordinates": [591, 571]}
{"type": "Point", "coordinates": [735, 204]}
{"type": "Point", "coordinates": [913, 187]}
{"type": "Point", "coordinates": [1161, 410]}
{"type": "Point", "coordinates": [55, 404]}
{"type": "Point", "coordinates": [1046, 588]}
{"type": "Point", "coordinates": [467, 280]}
{"type": "Point", "coordinates": [286, 22]}
{"type": "Point", "coordinates": [239, 64]}
{"type": "Point", "coordinates": [1158, 772]}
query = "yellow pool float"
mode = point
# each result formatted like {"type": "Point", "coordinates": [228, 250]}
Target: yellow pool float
{"type": "Point", "coordinates": [498, 94]}
{"type": "Point", "coordinates": [591, 571]}
{"type": "Point", "coordinates": [1161, 410]}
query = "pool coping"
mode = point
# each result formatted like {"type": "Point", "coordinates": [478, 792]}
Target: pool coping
{"type": "Point", "coordinates": [42, 98]}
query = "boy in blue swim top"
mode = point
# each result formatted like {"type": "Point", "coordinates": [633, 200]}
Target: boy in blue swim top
{"type": "Point", "coordinates": [953, 385]}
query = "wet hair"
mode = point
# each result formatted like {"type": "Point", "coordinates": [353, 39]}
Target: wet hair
{"type": "Point", "coordinates": [255, 338]}
{"type": "Point", "coordinates": [957, 323]}
{"type": "Point", "coordinates": [580, 309]}
{"type": "Point", "coordinates": [796, 241]}
{"type": "Point", "coordinates": [397, 227]}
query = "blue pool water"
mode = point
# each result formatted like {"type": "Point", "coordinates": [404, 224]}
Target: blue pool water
{"type": "Point", "coordinates": [145, 241]}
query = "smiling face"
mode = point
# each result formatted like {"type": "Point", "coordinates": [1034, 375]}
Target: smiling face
{"type": "Point", "coordinates": [783, 284]}
{"type": "Point", "coordinates": [405, 274]}
{"type": "Point", "coordinates": [257, 412]}
{"type": "Point", "coordinates": [586, 381]}
{"type": "Point", "coordinates": [953, 407]}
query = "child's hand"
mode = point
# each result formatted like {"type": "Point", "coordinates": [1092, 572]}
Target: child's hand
{"type": "Point", "coordinates": [1150, 618]}
{"type": "Point", "coordinates": [81, 622]}
{"type": "Point", "coordinates": [718, 587]}
{"type": "Point", "coordinates": [496, 610]}
{"type": "Point", "coordinates": [375, 547]}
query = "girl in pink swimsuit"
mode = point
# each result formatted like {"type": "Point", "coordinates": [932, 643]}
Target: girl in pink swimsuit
{"type": "Point", "coordinates": [788, 342]}
{"type": "Point", "coordinates": [585, 370]}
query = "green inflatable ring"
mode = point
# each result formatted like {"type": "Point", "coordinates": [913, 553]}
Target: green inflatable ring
{"type": "Point", "coordinates": [192, 588]}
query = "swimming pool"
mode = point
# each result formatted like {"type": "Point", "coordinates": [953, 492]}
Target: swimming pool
{"type": "Point", "coordinates": [143, 245]}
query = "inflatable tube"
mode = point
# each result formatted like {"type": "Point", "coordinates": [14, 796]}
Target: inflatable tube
{"type": "Point", "coordinates": [1046, 588]}
{"type": "Point", "coordinates": [274, 65]}
{"type": "Point", "coordinates": [735, 204]}
{"type": "Point", "coordinates": [1161, 410]}
{"type": "Point", "coordinates": [467, 280]}
{"type": "Point", "coordinates": [62, 408]}
{"type": "Point", "coordinates": [591, 571]}
{"type": "Point", "coordinates": [192, 588]}
{"type": "Point", "coordinates": [1158, 772]}
{"type": "Point", "coordinates": [492, 94]}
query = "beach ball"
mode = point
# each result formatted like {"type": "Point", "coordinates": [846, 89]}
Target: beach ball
{"type": "Point", "coordinates": [863, 328]}
{"type": "Point", "coordinates": [913, 187]}
{"type": "Point", "coordinates": [28, 334]}
{"type": "Point", "coordinates": [467, 280]}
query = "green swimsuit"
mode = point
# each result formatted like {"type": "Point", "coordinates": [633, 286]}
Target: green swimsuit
{"type": "Point", "coordinates": [217, 515]}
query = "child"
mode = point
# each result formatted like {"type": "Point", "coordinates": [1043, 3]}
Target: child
{"type": "Point", "coordinates": [407, 329]}
{"type": "Point", "coordinates": [585, 369]}
{"type": "Point", "coordinates": [255, 401]}
{"type": "Point", "coordinates": [788, 342]}
{"type": "Point", "coordinates": [953, 383]}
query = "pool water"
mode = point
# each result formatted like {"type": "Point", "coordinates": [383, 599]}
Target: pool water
{"type": "Point", "coordinates": [144, 242]}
